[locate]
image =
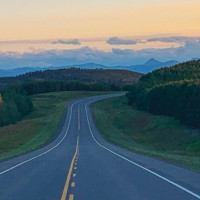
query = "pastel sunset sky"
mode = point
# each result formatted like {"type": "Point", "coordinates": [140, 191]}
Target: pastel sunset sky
{"type": "Point", "coordinates": [110, 32]}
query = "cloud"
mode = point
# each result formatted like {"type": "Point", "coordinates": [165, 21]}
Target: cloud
{"type": "Point", "coordinates": [121, 52]}
{"type": "Point", "coordinates": [120, 41]}
{"type": "Point", "coordinates": [162, 39]}
{"type": "Point", "coordinates": [73, 42]}
{"type": "Point", "coordinates": [178, 39]}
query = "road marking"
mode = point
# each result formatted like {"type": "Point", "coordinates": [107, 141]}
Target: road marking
{"type": "Point", "coordinates": [65, 190]}
{"type": "Point", "coordinates": [73, 184]}
{"type": "Point", "coordinates": [75, 167]}
{"type": "Point", "coordinates": [140, 166]}
{"type": "Point", "coordinates": [79, 123]}
{"type": "Point", "coordinates": [71, 197]}
{"type": "Point", "coordinates": [39, 155]}
{"type": "Point", "coordinates": [74, 175]}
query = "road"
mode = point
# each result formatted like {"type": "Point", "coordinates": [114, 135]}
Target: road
{"type": "Point", "coordinates": [80, 165]}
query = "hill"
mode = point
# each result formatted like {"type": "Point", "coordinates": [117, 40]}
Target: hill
{"type": "Point", "coordinates": [173, 91]}
{"type": "Point", "coordinates": [23, 70]}
{"type": "Point", "coordinates": [185, 71]}
{"type": "Point", "coordinates": [111, 76]}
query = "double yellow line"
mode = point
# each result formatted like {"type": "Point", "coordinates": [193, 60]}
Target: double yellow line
{"type": "Point", "coordinates": [66, 187]}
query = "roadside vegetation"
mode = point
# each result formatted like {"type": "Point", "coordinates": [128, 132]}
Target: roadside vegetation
{"type": "Point", "coordinates": [155, 135]}
{"type": "Point", "coordinates": [39, 126]}
{"type": "Point", "coordinates": [14, 105]}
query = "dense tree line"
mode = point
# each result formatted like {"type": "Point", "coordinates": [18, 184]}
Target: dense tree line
{"type": "Point", "coordinates": [15, 105]}
{"type": "Point", "coordinates": [171, 91]}
{"type": "Point", "coordinates": [46, 86]}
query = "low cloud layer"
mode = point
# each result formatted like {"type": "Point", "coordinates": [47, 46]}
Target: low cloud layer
{"type": "Point", "coordinates": [120, 41]}
{"type": "Point", "coordinates": [189, 49]}
{"type": "Point", "coordinates": [73, 42]}
{"type": "Point", "coordinates": [178, 39]}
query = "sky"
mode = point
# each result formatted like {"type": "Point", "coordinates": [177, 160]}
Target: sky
{"type": "Point", "coordinates": [109, 32]}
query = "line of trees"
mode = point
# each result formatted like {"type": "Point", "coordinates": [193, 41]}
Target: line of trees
{"type": "Point", "coordinates": [39, 87]}
{"type": "Point", "coordinates": [171, 91]}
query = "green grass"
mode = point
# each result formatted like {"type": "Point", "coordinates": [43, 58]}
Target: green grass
{"type": "Point", "coordinates": [40, 126]}
{"type": "Point", "coordinates": [158, 136]}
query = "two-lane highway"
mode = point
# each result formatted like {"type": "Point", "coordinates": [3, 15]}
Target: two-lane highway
{"type": "Point", "coordinates": [81, 165]}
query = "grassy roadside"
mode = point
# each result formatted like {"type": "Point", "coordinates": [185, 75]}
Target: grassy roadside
{"type": "Point", "coordinates": [37, 128]}
{"type": "Point", "coordinates": [158, 136]}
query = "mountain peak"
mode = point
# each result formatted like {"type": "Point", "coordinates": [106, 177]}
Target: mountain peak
{"type": "Point", "coordinates": [152, 61]}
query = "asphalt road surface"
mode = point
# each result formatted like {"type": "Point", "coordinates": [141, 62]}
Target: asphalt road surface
{"type": "Point", "coordinates": [80, 165]}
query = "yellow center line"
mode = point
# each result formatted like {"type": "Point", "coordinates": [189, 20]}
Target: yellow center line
{"type": "Point", "coordinates": [79, 124]}
{"type": "Point", "coordinates": [71, 197]}
{"type": "Point", "coordinates": [73, 184]}
{"type": "Point", "coordinates": [65, 190]}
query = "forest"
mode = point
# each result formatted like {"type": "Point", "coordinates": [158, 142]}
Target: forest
{"type": "Point", "coordinates": [110, 76]}
{"type": "Point", "coordinates": [173, 91]}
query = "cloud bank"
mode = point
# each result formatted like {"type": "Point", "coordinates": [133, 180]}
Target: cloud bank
{"type": "Point", "coordinates": [189, 49]}
{"type": "Point", "coordinates": [73, 42]}
{"type": "Point", "coordinates": [120, 41]}
{"type": "Point", "coordinates": [178, 39]}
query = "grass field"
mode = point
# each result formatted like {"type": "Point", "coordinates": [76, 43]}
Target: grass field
{"type": "Point", "coordinates": [159, 136]}
{"type": "Point", "coordinates": [40, 126]}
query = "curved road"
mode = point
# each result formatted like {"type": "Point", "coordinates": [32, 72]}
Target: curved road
{"type": "Point", "coordinates": [80, 165]}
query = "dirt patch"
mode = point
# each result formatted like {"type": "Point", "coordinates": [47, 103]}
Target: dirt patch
{"type": "Point", "coordinates": [139, 122]}
{"type": "Point", "coordinates": [16, 128]}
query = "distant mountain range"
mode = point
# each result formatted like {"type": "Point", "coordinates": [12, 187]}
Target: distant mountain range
{"type": "Point", "coordinates": [148, 66]}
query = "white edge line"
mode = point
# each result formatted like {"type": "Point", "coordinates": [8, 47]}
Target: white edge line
{"type": "Point", "coordinates": [79, 122]}
{"type": "Point", "coordinates": [52, 148]}
{"type": "Point", "coordinates": [130, 161]}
